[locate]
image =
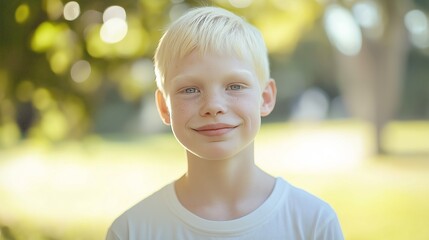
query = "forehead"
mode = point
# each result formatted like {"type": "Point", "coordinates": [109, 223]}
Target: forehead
{"type": "Point", "coordinates": [209, 65]}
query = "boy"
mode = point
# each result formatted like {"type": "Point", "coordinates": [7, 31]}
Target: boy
{"type": "Point", "coordinates": [213, 88]}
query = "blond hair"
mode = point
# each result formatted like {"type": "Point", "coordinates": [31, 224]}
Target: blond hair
{"type": "Point", "coordinates": [211, 30]}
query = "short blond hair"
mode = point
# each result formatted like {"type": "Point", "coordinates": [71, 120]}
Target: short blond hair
{"type": "Point", "coordinates": [211, 30]}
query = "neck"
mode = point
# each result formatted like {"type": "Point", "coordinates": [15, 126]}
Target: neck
{"type": "Point", "coordinates": [220, 175]}
{"type": "Point", "coordinates": [224, 184]}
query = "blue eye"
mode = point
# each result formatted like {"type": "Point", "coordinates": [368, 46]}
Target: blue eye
{"type": "Point", "coordinates": [235, 87]}
{"type": "Point", "coordinates": [190, 90]}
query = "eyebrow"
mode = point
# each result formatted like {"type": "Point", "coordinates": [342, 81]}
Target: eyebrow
{"type": "Point", "coordinates": [241, 74]}
{"type": "Point", "coordinates": [246, 74]}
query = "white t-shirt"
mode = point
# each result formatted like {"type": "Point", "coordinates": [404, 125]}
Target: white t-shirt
{"type": "Point", "coordinates": [288, 213]}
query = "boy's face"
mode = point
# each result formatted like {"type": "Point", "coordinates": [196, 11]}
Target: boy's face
{"type": "Point", "coordinates": [214, 104]}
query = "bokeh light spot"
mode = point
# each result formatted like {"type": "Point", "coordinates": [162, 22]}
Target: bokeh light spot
{"type": "Point", "coordinates": [80, 71]}
{"type": "Point", "coordinates": [42, 99]}
{"type": "Point", "coordinates": [416, 22]}
{"type": "Point", "coordinates": [96, 47]}
{"type": "Point", "coordinates": [22, 13]}
{"type": "Point", "coordinates": [342, 30]}
{"type": "Point", "coordinates": [71, 11]}
{"type": "Point", "coordinates": [44, 37]}
{"type": "Point", "coordinates": [143, 72]}
{"type": "Point", "coordinates": [54, 8]}
{"type": "Point", "coordinates": [114, 12]}
{"type": "Point", "coordinates": [313, 105]}
{"type": "Point", "coordinates": [59, 62]}
{"type": "Point", "coordinates": [366, 14]}
{"type": "Point", "coordinates": [54, 125]}
{"type": "Point", "coordinates": [135, 43]}
{"type": "Point", "coordinates": [113, 30]}
{"type": "Point", "coordinates": [280, 34]}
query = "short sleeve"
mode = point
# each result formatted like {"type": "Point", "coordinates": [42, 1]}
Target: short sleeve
{"type": "Point", "coordinates": [331, 230]}
{"type": "Point", "coordinates": [118, 230]}
{"type": "Point", "coordinates": [111, 235]}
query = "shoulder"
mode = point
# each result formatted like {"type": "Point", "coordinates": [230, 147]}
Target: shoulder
{"type": "Point", "coordinates": [142, 216]}
{"type": "Point", "coordinates": [152, 205]}
{"type": "Point", "coordinates": [300, 200]}
{"type": "Point", "coordinates": [310, 214]}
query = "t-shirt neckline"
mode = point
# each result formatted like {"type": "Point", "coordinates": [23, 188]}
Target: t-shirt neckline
{"type": "Point", "coordinates": [229, 227]}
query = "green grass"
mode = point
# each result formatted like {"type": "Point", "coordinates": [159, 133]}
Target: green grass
{"type": "Point", "coordinates": [74, 190]}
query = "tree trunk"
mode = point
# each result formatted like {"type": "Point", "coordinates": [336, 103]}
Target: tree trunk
{"type": "Point", "coordinates": [371, 82]}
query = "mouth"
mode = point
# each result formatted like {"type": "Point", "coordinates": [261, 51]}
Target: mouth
{"type": "Point", "coordinates": [217, 129]}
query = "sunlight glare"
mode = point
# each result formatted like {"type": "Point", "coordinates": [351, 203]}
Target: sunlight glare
{"type": "Point", "coordinates": [316, 148]}
{"type": "Point", "coordinates": [30, 170]}
{"type": "Point", "coordinates": [342, 30]}
{"type": "Point", "coordinates": [330, 150]}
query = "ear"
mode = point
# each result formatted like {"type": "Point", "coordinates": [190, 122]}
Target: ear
{"type": "Point", "coordinates": [162, 106]}
{"type": "Point", "coordinates": [269, 94]}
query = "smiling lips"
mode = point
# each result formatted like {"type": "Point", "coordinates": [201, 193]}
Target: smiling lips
{"type": "Point", "coordinates": [215, 129]}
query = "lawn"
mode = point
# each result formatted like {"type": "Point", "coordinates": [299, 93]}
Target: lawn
{"type": "Point", "coordinates": [74, 190]}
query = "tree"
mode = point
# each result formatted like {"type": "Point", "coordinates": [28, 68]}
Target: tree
{"type": "Point", "coordinates": [371, 80]}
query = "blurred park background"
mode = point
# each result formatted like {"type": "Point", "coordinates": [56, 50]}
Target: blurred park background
{"type": "Point", "coordinates": [81, 141]}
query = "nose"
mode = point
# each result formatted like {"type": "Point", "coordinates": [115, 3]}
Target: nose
{"type": "Point", "coordinates": [213, 104]}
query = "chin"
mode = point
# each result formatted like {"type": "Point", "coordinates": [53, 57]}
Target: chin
{"type": "Point", "coordinates": [213, 154]}
{"type": "Point", "coordinates": [214, 157]}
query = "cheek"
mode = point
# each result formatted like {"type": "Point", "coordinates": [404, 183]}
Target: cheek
{"type": "Point", "coordinates": [180, 111]}
{"type": "Point", "coordinates": [249, 106]}
{"type": "Point", "coordinates": [249, 110]}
